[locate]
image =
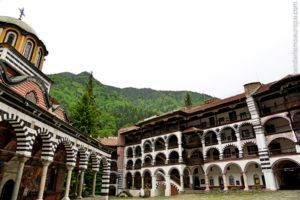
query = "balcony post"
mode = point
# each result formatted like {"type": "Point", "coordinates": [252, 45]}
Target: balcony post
{"type": "Point", "coordinates": [181, 183]}
{"type": "Point", "coordinates": [167, 155]}
{"type": "Point", "coordinates": [203, 150]}
{"type": "Point", "coordinates": [191, 181]}
{"type": "Point", "coordinates": [142, 186]}
{"type": "Point", "coordinates": [206, 183]}
{"type": "Point", "coordinates": [180, 152]}
{"type": "Point", "coordinates": [245, 181]}
{"type": "Point", "coordinates": [238, 138]}
{"type": "Point", "coordinates": [153, 152]}
{"type": "Point", "coordinates": [132, 184]}
{"type": "Point", "coordinates": [153, 186]}
{"type": "Point", "coordinates": [225, 182]}
{"type": "Point", "coordinates": [168, 186]}
{"type": "Point", "coordinates": [220, 145]}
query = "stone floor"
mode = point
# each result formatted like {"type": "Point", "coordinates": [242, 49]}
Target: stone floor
{"type": "Point", "coordinates": [279, 195]}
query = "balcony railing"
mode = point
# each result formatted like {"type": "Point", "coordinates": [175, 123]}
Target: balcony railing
{"type": "Point", "coordinates": [248, 137]}
{"type": "Point", "coordinates": [274, 152]}
{"type": "Point", "coordinates": [210, 143]}
{"type": "Point", "coordinates": [137, 166]}
{"type": "Point", "coordinates": [194, 161]}
{"type": "Point", "coordinates": [278, 129]}
{"type": "Point", "coordinates": [147, 164]}
{"type": "Point", "coordinates": [160, 163]}
{"type": "Point", "coordinates": [173, 161]}
{"type": "Point", "coordinates": [226, 120]}
{"type": "Point", "coordinates": [213, 158]}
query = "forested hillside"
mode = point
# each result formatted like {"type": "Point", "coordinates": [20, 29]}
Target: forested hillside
{"type": "Point", "coordinates": [119, 107]}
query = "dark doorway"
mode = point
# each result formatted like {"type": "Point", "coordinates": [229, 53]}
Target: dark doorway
{"type": "Point", "coordinates": [7, 190]}
{"type": "Point", "coordinates": [288, 175]}
{"type": "Point", "coordinates": [196, 183]}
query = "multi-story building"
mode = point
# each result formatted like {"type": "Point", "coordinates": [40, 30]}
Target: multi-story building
{"type": "Point", "coordinates": [247, 141]}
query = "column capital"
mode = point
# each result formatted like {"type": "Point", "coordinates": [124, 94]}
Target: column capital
{"type": "Point", "coordinates": [70, 167]}
{"type": "Point", "coordinates": [46, 162]}
{"type": "Point", "coordinates": [22, 158]}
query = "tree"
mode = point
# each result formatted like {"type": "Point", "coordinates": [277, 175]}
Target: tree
{"type": "Point", "coordinates": [85, 112]}
{"type": "Point", "coordinates": [187, 101]}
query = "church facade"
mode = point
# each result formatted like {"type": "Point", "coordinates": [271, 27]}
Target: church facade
{"type": "Point", "coordinates": [249, 141]}
{"type": "Point", "coordinates": [39, 148]}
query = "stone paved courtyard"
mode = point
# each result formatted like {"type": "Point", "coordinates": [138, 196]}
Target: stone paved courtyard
{"type": "Point", "coordinates": [279, 195]}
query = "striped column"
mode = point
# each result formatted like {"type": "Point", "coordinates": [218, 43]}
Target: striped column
{"type": "Point", "coordinates": [263, 151]}
{"type": "Point", "coordinates": [105, 180]}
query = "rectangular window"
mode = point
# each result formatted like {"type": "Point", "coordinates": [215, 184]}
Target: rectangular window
{"type": "Point", "coordinates": [232, 116]}
{"type": "Point", "coordinates": [245, 133]}
{"type": "Point", "coordinates": [212, 121]}
{"type": "Point", "coordinates": [203, 125]}
{"type": "Point", "coordinates": [243, 115]}
{"type": "Point", "coordinates": [221, 120]}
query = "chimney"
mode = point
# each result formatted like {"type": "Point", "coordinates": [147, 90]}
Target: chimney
{"type": "Point", "coordinates": [251, 88]}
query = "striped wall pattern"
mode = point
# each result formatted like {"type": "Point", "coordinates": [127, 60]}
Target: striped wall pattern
{"type": "Point", "coordinates": [259, 132]}
{"type": "Point", "coordinates": [69, 150]}
{"type": "Point", "coordinates": [105, 178]}
{"type": "Point", "coordinates": [83, 156]}
{"type": "Point", "coordinates": [26, 133]}
{"type": "Point", "coordinates": [23, 142]}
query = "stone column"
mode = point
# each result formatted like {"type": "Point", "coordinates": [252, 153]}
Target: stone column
{"type": "Point", "coordinates": [22, 159]}
{"type": "Point", "coordinates": [81, 184]}
{"type": "Point", "coordinates": [167, 155]}
{"type": "Point", "coordinates": [168, 186]}
{"type": "Point", "coordinates": [181, 183]}
{"type": "Point", "coordinates": [132, 184]}
{"type": "Point", "coordinates": [94, 183]}
{"type": "Point", "coordinates": [153, 153]}
{"type": "Point", "coordinates": [153, 186]}
{"type": "Point", "coordinates": [191, 182]}
{"type": "Point", "coordinates": [142, 187]}
{"type": "Point", "coordinates": [76, 183]}
{"type": "Point", "coordinates": [220, 144]}
{"type": "Point", "coordinates": [203, 150]}
{"type": "Point", "coordinates": [206, 183]}
{"type": "Point", "coordinates": [180, 152]}
{"type": "Point", "coordinates": [67, 191]}
{"type": "Point", "coordinates": [46, 164]}
{"type": "Point", "coordinates": [270, 179]}
{"type": "Point", "coordinates": [238, 138]}
{"type": "Point", "coordinates": [245, 181]}
{"type": "Point", "coordinates": [225, 182]}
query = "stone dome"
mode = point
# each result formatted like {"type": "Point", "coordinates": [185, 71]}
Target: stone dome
{"type": "Point", "coordinates": [17, 22]}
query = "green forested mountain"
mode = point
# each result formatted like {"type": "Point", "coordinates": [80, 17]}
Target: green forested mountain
{"type": "Point", "coordinates": [119, 107]}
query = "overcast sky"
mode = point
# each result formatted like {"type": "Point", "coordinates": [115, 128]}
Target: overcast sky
{"type": "Point", "coordinates": [212, 47]}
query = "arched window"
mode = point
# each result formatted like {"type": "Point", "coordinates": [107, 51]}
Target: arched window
{"type": "Point", "coordinates": [28, 49]}
{"type": "Point", "coordinates": [256, 179]}
{"type": "Point", "coordinates": [211, 181]}
{"type": "Point", "coordinates": [38, 58]}
{"type": "Point", "coordinates": [231, 180]}
{"type": "Point", "coordinates": [11, 38]}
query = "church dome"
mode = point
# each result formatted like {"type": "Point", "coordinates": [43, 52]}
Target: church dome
{"type": "Point", "coordinates": [17, 22]}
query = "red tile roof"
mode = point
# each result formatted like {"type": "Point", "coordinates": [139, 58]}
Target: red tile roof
{"type": "Point", "coordinates": [110, 141]}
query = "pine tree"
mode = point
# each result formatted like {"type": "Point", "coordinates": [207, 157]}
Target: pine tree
{"type": "Point", "coordinates": [86, 113]}
{"type": "Point", "coordinates": [187, 101]}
